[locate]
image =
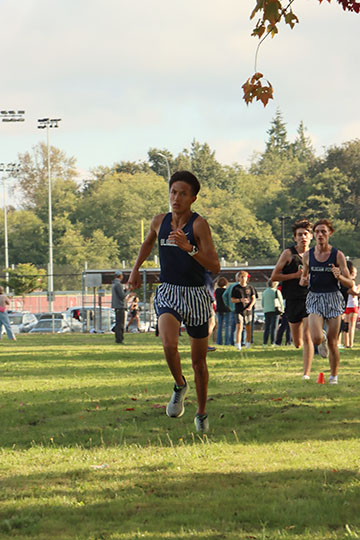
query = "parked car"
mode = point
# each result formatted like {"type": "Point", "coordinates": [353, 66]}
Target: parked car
{"type": "Point", "coordinates": [49, 326]}
{"type": "Point", "coordinates": [84, 319]}
{"type": "Point", "coordinates": [21, 321]}
{"type": "Point", "coordinates": [52, 315]}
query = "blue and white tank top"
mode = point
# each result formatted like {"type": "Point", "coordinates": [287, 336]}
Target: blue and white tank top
{"type": "Point", "coordinates": [177, 266]}
{"type": "Point", "coordinates": [321, 277]}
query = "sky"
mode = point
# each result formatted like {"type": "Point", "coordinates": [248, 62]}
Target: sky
{"type": "Point", "coordinates": [125, 76]}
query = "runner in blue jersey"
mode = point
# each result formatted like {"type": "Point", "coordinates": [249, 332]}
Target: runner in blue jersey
{"type": "Point", "coordinates": [324, 269]}
{"type": "Point", "coordinates": [186, 251]}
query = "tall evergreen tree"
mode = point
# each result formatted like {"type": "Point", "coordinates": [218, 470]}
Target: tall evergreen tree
{"type": "Point", "coordinates": [277, 142]}
{"type": "Point", "coordinates": [302, 147]}
{"type": "Point", "coordinates": [275, 159]}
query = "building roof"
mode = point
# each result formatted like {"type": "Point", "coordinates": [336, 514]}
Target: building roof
{"type": "Point", "coordinates": [258, 274]}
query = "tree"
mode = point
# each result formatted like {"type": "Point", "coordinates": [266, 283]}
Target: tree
{"type": "Point", "coordinates": [347, 236]}
{"type": "Point", "coordinates": [159, 164]}
{"type": "Point", "coordinates": [98, 251]}
{"type": "Point", "coordinates": [120, 203]}
{"type": "Point", "coordinates": [277, 156]}
{"type": "Point", "coordinates": [271, 13]}
{"type": "Point", "coordinates": [131, 167]}
{"type": "Point", "coordinates": [27, 238]}
{"type": "Point", "coordinates": [24, 279]}
{"type": "Point", "coordinates": [346, 158]}
{"type": "Point", "coordinates": [237, 233]}
{"type": "Point", "coordinates": [302, 147]}
{"type": "Point", "coordinates": [32, 176]}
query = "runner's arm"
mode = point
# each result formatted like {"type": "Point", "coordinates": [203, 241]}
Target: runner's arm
{"type": "Point", "coordinates": [134, 280]}
{"type": "Point", "coordinates": [304, 280]}
{"type": "Point", "coordinates": [206, 256]}
{"type": "Point", "coordinates": [277, 274]}
{"type": "Point", "coordinates": [341, 272]}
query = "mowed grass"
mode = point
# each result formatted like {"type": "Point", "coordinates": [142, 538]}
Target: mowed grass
{"type": "Point", "coordinates": [87, 451]}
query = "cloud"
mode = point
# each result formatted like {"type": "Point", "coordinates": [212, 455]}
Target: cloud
{"type": "Point", "coordinates": [125, 76]}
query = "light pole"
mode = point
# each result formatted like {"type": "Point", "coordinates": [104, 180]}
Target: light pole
{"type": "Point", "coordinates": [8, 168]}
{"type": "Point", "coordinates": [282, 219]}
{"type": "Point", "coordinates": [42, 124]}
{"type": "Point", "coordinates": [168, 170]}
{"type": "Point", "coordinates": [9, 116]}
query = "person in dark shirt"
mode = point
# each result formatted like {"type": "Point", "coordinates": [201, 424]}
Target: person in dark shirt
{"type": "Point", "coordinates": [186, 251]}
{"type": "Point", "coordinates": [118, 295]}
{"type": "Point", "coordinates": [243, 296]}
{"type": "Point", "coordinates": [222, 312]}
{"type": "Point", "coordinates": [324, 269]}
{"type": "Point", "coordinates": [288, 270]}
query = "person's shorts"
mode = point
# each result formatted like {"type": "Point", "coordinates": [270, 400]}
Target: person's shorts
{"type": "Point", "coordinates": [245, 316]}
{"type": "Point", "coordinates": [295, 310]}
{"type": "Point", "coordinates": [328, 305]}
{"type": "Point", "coordinates": [351, 310]}
{"type": "Point", "coordinates": [191, 305]}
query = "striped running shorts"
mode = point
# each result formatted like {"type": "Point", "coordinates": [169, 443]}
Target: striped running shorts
{"type": "Point", "coordinates": [328, 305]}
{"type": "Point", "coordinates": [193, 305]}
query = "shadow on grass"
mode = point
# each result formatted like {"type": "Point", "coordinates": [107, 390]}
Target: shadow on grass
{"type": "Point", "coordinates": [98, 397]}
{"type": "Point", "coordinates": [100, 504]}
{"type": "Point", "coordinates": [112, 414]}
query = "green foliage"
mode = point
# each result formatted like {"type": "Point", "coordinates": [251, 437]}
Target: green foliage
{"type": "Point", "coordinates": [346, 237]}
{"type": "Point", "coordinates": [119, 204]}
{"type": "Point", "coordinates": [237, 234]}
{"type": "Point", "coordinates": [302, 147]}
{"type": "Point", "coordinates": [27, 238]}
{"type": "Point", "coordinates": [24, 279]}
{"type": "Point", "coordinates": [100, 223]}
{"type": "Point", "coordinates": [32, 175]}
{"type": "Point", "coordinates": [346, 158]}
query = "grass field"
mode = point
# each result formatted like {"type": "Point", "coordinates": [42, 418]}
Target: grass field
{"type": "Point", "coordinates": [87, 451]}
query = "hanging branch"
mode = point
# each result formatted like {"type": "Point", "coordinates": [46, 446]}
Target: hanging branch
{"type": "Point", "coordinates": [256, 87]}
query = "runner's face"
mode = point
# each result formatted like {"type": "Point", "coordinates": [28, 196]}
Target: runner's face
{"type": "Point", "coordinates": [181, 197]}
{"type": "Point", "coordinates": [303, 238]}
{"type": "Point", "coordinates": [322, 234]}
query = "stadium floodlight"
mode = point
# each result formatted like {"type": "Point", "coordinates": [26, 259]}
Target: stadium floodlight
{"type": "Point", "coordinates": [47, 123]}
{"type": "Point", "coordinates": [12, 116]}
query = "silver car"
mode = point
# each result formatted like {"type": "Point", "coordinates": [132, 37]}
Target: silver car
{"type": "Point", "coordinates": [21, 321]}
{"type": "Point", "coordinates": [49, 326]}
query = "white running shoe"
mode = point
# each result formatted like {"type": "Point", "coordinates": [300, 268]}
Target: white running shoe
{"type": "Point", "coordinates": [175, 408]}
{"type": "Point", "coordinates": [248, 344]}
{"type": "Point", "coordinates": [306, 377]}
{"type": "Point", "coordinates": [238, 346]}
{"type": "Point", "coordinates": [333, 380]}
{"type": "Point", "coordinates": [323, 347]}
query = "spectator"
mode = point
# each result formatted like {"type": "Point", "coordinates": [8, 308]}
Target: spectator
{"type": "Point", "coordinates": [118, 295]}
{"type": "Point", "coordinates": [273, 306]}
{"type": "Point", "coordinates": [222, 312]}
{"type": "Point", "coordinates": [4, 318]}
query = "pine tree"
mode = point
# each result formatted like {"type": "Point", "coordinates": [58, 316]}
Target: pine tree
{"type": "Point", "coordinates": [277, 142]}
{"type": "Point", "coordinates": [302, 147]}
